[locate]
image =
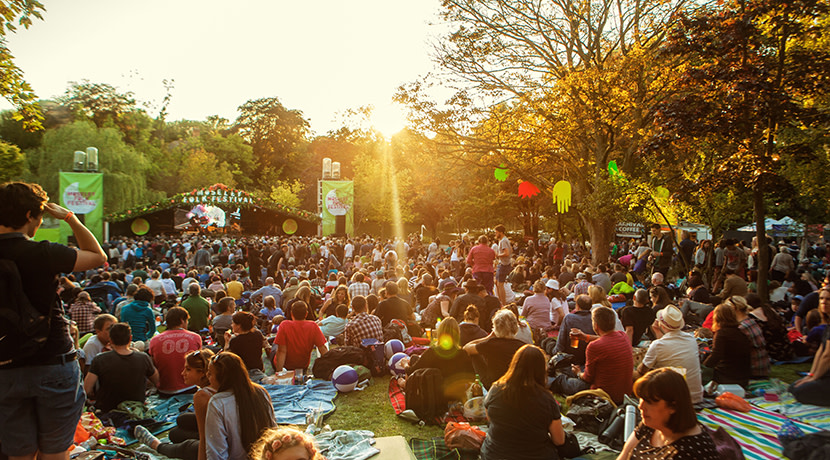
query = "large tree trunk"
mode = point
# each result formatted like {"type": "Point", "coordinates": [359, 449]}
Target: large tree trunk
{"type": "Point", "coordinates": [761, 236]}
{"type": "Point", "coordinates": [601, 232]}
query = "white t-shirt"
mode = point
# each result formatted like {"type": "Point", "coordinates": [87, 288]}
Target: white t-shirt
{"type": "Point", "coordinates": [156, 285]}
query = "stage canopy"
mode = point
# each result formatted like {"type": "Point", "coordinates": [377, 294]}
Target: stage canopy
{"type": "Point", "coordinates": [215, 209]}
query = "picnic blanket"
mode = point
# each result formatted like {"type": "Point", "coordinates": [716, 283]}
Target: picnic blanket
{"type": "Point", "coordinates": [293, 402]}
{"type": "Point", "coordinates": [347, 444]}
{"type": "Point", "coordinates": [755, 431]}
{"type": "Point", "coordinates": [398, 399]}
{"type": "Point", "coordinates": [786, 405]}
{"type": "Point", "coordinates": [436, 449]}
{"type": "Point", "coordinates": [167, 411]}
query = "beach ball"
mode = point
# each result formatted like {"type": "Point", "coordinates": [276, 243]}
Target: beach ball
{"type": "Point", "coordinates": [393, 346]}
{"type": "Point", "coordinates": [344, 378]}
{"type": "Point", "coordinates": [398, 363]}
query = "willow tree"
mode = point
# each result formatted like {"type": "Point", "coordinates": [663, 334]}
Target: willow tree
{"type": "Point", "coordinates": [553, 90]}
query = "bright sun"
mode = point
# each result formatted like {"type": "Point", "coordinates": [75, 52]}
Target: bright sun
{"type": "Point", "coordinates": [389, 119]}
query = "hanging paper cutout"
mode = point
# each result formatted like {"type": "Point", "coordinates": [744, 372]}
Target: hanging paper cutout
{"type": "Point", "coordinates": [501, 173]}
{"type": "Point", "coordinates": [527, 190]}
{"type": "Point", "coordinates": [562, 195]}
{"type": "Point", "coordinates": [613, 170]}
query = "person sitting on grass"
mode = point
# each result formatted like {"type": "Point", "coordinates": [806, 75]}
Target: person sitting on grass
{"type": "Point", "coordinates": [815, 387]}
{"type": "Point", "coordinates": [491, 355]}
{"type": "Point", "coordinates": [99, 342]}
{"type": "Point", "coordinates": [296, 338]}
{"type": "Point", "coordinates": [187, 438]}
{"type": "Point", "coordinates": [120, 374]}
{"type": "Point", "coordinates": [334, 325]}
{"type": "Point", "coordinates": [525, 422]}
{"type": "Point", "coordinates": [247, 342]}
{"type": "Point", "coordinates": [446, 355]}
{"type": "Point", "coordinates": [168, 350]}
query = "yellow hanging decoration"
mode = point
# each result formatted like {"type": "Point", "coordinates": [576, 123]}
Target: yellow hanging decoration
{"type": "Point", "coordinates": [562, 195]}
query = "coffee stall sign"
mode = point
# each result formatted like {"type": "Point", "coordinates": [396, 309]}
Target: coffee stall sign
{"type": "Point", "coordinates": [630, 230]}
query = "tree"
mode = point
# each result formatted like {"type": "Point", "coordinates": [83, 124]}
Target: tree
{"type": "Point", "coordinates": [11, 162]}
{"type": "Point", "coordinates": [125, 170]}
{"type": "Point", "coordinates": [750, 77]}
{"type": "Point", "coordinates": [554, 90]}
{"type": "Point", "coordinates": [277, 135]}
{"type": "Point", "coordinates": [287, 193]}
{"type": "Point", "coordinates": [106, 107]}
{"type": "Point", "coordinates": [13, 87]}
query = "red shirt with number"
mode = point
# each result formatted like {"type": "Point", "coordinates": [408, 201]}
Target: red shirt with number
{"type": "Point", "coordinates": [168, 350]}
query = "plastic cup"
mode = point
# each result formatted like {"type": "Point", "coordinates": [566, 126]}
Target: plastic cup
{"type": "Point", "coordinates": [574, 341]}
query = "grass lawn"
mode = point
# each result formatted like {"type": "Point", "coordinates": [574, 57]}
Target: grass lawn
{"type": "Point", "coordinates": [370, 410]}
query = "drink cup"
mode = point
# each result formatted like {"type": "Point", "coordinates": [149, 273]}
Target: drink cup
{"type": "Point", "coordinates": [574, 341]}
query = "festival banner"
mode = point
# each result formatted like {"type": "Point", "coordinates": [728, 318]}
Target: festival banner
{"type": "Point", "coordinates": [338, 202]}
{"type": "Point", "coordinates": [83, 194]}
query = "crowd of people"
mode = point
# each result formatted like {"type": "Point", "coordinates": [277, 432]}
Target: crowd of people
{"type": "Point", "coordinates": [214, 316]}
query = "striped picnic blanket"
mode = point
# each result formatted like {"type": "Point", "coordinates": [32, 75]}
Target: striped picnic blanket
{"type": "Point", "coordinates": [787, 405]}
{"type": "Point", "coordinates": [756, 431]}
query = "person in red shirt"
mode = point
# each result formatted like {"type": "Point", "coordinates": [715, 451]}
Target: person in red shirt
{"type": "Point", "coordinates": [296, 339]}
{"type": "Point", "coordinates": [168, 350]}
{"type": "Point", "coordinates": [609, 362]}
{"type": "Point", "coordinates": [481, 259]}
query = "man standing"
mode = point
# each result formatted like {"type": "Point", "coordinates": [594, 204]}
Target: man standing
{"type": "Point", "coordinates": [480, 258]}
{"type": "Point", "coordinates": [661, 249]}
{"type": "Point", "coordinates": [44, 416]}
{"type": "Point", "coordinates": [505, 253]}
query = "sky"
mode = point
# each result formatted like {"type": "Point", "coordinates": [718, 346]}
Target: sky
{"type": "Point", "coordinates": [318, 56]}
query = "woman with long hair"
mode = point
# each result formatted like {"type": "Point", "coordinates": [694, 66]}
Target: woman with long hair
{"type": "Point", "coordinates": [187, 439]}
{"type": "Point", "coordinates": [730, 348]}
{"type": "Point", "coordinates": [759, 358]}
{"type": "Point", "coordinates": [238, 413]}
{"type": "Point", "coordinates": [340, 297]}
{"type": "Point", "coordinates": [598, 296]}
{"type": "Point", "coordinates": [669, 429]}
{"type": "Point", "coordinates": [659, 298]}
{"type": "Point", "coordinates": [525, 422]}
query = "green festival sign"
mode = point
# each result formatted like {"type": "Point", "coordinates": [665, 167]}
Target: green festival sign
{"type": "Point", "coordinates": [83, 194]}
{"type": "Point", "coordinates": [338, 203]}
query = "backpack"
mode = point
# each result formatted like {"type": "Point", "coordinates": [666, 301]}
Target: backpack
{"type": "Point", "coordinates": [375, 358]}
{"type": "Point", "coordinates": [425, 395]}
{"type": "Point", "coordinates": [325, 365]}
{"type": "Point", "coordinates": [23, 329]}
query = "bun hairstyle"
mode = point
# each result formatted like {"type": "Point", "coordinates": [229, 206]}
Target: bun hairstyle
{"type": "Point", "coordinates": [471, 313]}
{"type": "Point", "coordinates": [244, 319]}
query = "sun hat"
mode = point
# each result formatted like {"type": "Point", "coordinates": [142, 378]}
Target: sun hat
{"type": "Point", "coordinates": [671, 317]}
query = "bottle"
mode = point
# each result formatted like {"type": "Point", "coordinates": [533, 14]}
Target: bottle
{"type": "Point", "coordinates": [477, 388]}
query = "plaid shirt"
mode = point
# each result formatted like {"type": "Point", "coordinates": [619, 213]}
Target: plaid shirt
{"type": "Point", "coordinates": [581, 288]}
{"type": "Point", "coordinates": [83, 313]}
{"type": "Point", "coordinates": [758, 357]}
{"type": "Point", "coordinates": [363, 326]}
{"type": "Point", "coordinates": [358, 288]}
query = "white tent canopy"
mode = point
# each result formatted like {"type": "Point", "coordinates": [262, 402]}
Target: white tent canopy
{"type": "Point", "coordinates": [784, 226]}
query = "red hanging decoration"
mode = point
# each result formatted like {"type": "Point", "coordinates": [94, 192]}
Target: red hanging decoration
{"type": "Point", "coordinates": [527, 190]}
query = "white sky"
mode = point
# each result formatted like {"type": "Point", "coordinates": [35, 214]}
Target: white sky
{"type": "Point", "coordinates": [318, 56]}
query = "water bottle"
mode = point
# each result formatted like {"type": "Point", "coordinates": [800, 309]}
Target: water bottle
{"type": "Point", "coordinates": [630, 421]}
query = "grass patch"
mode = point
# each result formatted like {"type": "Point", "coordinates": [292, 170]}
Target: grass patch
{"type": "Point", "coordinates": [371, 410]}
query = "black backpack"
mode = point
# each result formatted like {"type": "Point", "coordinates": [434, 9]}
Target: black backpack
{"type": "Point", "coordinates": [425, 395]}
{"type": "Point", "coordinates": [325, 365]}
{"type": "Point", "coordinates": [375, 359]}
{"type": "Point", "coordinates": [23, 329]}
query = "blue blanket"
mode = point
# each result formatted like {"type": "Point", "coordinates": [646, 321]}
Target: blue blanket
{"type": "Point", "coordinates": [168, 410]}
{"type": "Point", "coordinates": [293, 402]}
